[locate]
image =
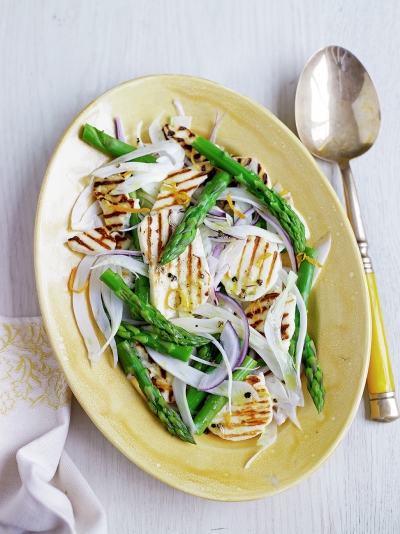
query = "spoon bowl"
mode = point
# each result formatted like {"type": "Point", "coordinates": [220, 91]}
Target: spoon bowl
{"type": "Point", "coordinates": [337, 108]}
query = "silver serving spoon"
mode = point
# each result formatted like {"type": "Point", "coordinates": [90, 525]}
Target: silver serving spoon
{"type": "Point", "coordinates": [338, 118]}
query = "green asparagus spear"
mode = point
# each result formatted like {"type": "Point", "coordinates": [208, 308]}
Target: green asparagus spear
{"type": "Point", "coordinates": [131, 364]}
{"type": "Point", "coordinates": [195, 397]}
{"type": "Point", "coordinates": [110, 145]}
{"type": "Point", "coordinates": [185, 232]}
{"type": "Point", "coordinates": [277, 205]}
{"type": "Point", "coordinates": [215, 403]}
{"type": "Point", "coordinates": [153, 340]}
{"type": "Point", "coordinates": [312, 369]}
{"type": "Point", "coordinates": [314, 374]}
{"type": "Point", "coordinates": [149, 313]}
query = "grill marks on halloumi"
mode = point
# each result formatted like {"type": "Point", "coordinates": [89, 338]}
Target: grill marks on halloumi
{"type": "Point", "coordinates": [92, 241]}
{"type": "Point", "coordinates": [257, 311]}
{"type": "Point", "coordinates": [160, 378]}
{"type": "Point", "coordinates": [248, 419]}
{"type": "Point", "coordinates": [178, 188]}
{"type": "Point", "coordinates": [182, 284]}
{"type": "Point", "coordinates": [114, 207]}
{"type": "Point", "coordinates": [254, 269]}
{"type": "Point", "coordinates": [184, 137]}
{"type": "Point", "coordinates": [115, 217]}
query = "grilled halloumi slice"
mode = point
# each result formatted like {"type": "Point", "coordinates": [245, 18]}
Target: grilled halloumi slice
{"type": "Point", "coordinates": [248, 419]}
{"type": "Point", "coordinates": [257, 311]}
{"type": "Point", "coordinates": [103, 186]}
{"type": "Point", "coordinates": [116, 208]}
{"type": "Point", "coordinates": [177, 189]}
{"type": "Point", "coordinates": [254, 269]}
{"type": "Point", "coordinates": [184, 283]}
{"type": "Point", "coordinates": [97, 240]}
{"type": "Point", "coordinates": [184, 137]}
{"type": "Point", "coordinates": [160, 378]}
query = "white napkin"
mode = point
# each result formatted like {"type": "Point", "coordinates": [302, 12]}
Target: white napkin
{"type": "Point", "coordinates": [41, 490]}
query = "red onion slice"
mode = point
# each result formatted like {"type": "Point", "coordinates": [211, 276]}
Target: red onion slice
{"type": "Point", "coordinates": [247, 213]}
{"type": "Point", "coordinates": [217, 212]}
{"type": "Point", "coordinates": [236, 308]}
{"type": "Point", "coordinates": [283, 234]}
{"type": "Point", "coordinates": [216, 251]}
{"type": "Point", "coordinates": [120, 129]}
{"type": "Point", "coordinates": [231, 345]}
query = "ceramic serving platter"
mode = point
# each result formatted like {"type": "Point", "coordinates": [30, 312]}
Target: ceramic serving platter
{"type": "Point", "coordinates": [338, 316]}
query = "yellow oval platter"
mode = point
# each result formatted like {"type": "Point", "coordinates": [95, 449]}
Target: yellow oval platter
{"type": "Point", "coordinates": [339, 308]}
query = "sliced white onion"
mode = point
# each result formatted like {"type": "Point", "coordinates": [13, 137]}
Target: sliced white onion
{"type": "Point", "coordinates": [230, 253]}
{"type": "Point", "coordinates": [323, 246]}
{"type": "Point", "coordinates": [133, 166]}
{"type": "Point", "coordinates": [179, 107]}
{"type": "Point", "coordinates": [276, 388]}
{"type": "Point", "coordinates": [236, 308]}
{"type": "Point", "coordinates": [114, 306]}
{"type": "Point", "coordinates": [90, 219]}
{"type": "Point", "coordinates": [149, 149]}
{"type": "Point", "coordinates": [120, 252]}
{"type": "Point", "coordinates": [207, 244]}
{"type": "Point", "coordinates": [247, 212]}
{"type": "Point", "coordinates": [231, 348]}
{"type": "Point", "coordinates": [217, 122]}
{"type": "Point", "coordinates": [179, 389]}
{"type": "Point", "coordinates": [99, 314]}
{"type": "Point", "coordinates": [134, 266]}
{"type": "Point", "coordinates": [205, 362]}
{"type": "Point", "coordinates": [257, 341]}
{"type": "Point", "coordinates": [123, 163]}
{"type": "Point", "coordinates": [272, 330]}
{"type": "Point", "coordinates": [237, 193]}
{"type": "Point", "coordinates": [146, 200]}
{"type": "Point", "coordinates": [228, 364]}
{"type": "Point", "coordinates": [285, 237]}
{"type": "Point", "coordinates": [279, 417]}
{"type": "Point", "coordinates": [303, 321]}
{"type": "Point", "coordinates": [192, 376]}
{"type": "Point", "coordinates": [283, 411]}
{"type": "Point", "coordinates": [185, 121]}
{"type": "Point", "coordinates": [220, 274]}
{"type": "Point", "coordinates": [139, 141]}
{"type": "Point", "coordinates": [155, 131]}
{"type": "Point", "coordinates": [138, 180]}
{"type": "Point", "coordinates": [242, 232]}
{"type": "Point", "coordinates": [81, 205]}
{"type": "Point", "coordinates": [194, 326]}
{"type": "Point", "coordinates": [267, 438]}
{"type": "Point", "coordinates": [80, 308]}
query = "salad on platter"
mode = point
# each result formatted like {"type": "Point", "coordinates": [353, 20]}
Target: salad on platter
{"type": "Point", "coordinates": [198, 275]}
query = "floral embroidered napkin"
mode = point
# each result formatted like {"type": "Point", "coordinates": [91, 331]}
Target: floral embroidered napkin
{"type": "Point", "coordinates": [41, 490]}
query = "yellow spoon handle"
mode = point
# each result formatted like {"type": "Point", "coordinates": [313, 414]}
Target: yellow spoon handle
{"type": "Point", "coordinates": [380, 378]}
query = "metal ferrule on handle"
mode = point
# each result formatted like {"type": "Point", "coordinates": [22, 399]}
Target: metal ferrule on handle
{"type": "Point", "coordinates": [380, 378]}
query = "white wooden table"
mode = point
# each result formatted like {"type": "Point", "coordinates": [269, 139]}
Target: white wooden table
{"type": "Point", "coordinates": [55, 57]}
